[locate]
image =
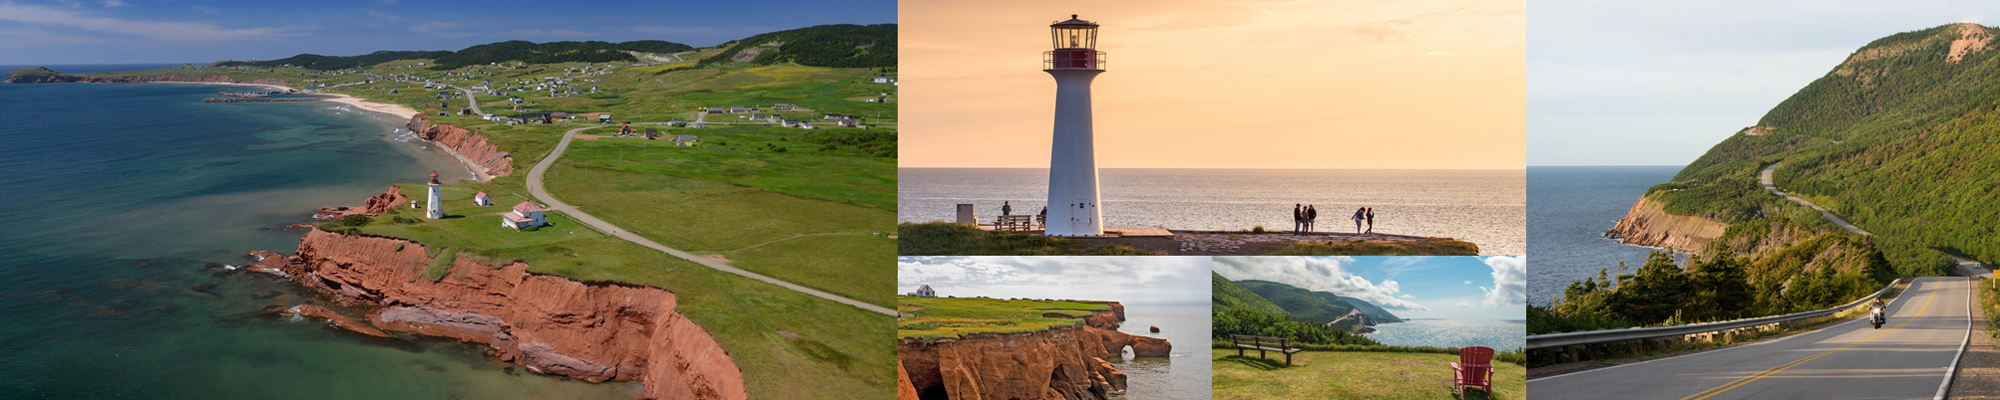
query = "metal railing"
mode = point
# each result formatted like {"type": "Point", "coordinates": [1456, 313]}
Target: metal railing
{"type": "Point", "coordinates": [1091, 60]}
{"type": "Point", "coordinates": [1560, 340]}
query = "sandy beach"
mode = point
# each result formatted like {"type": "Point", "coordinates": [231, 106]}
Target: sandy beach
{"type": "Point", "coordinates": [400, 111]}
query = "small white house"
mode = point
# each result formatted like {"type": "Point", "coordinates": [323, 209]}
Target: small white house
{"type": "Point", "coordinates": [482, 200]}
{"type": "Point", "coordinates": [884, 79]}
{"type": "Point", "coordinates": [525, 214]}
{"type": "Point", "coordinates": [924, 291]}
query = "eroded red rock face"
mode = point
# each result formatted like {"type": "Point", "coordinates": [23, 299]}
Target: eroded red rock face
{"type": "Point", "coordinates": [1057, 364]}
{"type": "Point", "coordinates": [377, 205]}
{"type": "Point", "coordinates": [553, 325]}
{"type": "Point", "coordinates": [466, 143]}
{"type": "Point", "coordinates": [338, 321]}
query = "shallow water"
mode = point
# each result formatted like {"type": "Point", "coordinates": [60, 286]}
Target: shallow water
{"type": "Point", "coordinates": [1486, 207]}
{"type": "Point", "coordinates": [1185, 375]}
{"type": "Point", "coordinates": [128, 203]}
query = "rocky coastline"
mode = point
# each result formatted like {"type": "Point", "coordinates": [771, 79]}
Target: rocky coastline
{"type": "Point", "coordinates": [1060, 363]}
{"type": "Point", "coordinates": [1648, 224]}
{"type": "Point", "coordinates": [589, 331]}
{"type": "Point", "coordinates": [482, 157]}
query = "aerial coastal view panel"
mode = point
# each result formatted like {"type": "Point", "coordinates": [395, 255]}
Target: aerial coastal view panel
{"type": "Point", "coordinates": [389, 200]}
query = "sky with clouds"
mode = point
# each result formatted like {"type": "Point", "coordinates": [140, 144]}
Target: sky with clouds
{"type": "Point", "coordinates": [54, 32]}
{"type": "Point", "coordinates": [1418, 84]}
{"type": "Point", "coordinates": [1659, 83]}
{"type": "Point", "coordinates": [1410, 287]}
{"type": "Point", "coordinates": [1128, 280]}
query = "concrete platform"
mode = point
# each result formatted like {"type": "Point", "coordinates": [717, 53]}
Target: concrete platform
{"type": "Point", "coordinates": [1109, 232]}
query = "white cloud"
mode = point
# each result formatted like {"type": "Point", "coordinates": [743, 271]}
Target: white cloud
{"type": "Point", "coordinates": [115, 3]}
{"type": "Point", "coordinates": [1468, 282]}
{"type": "Point", "coordinates": [177, 31]}
{"type": "Point", "coordinates": [383, 15]}
{"type": "Point", "coordinates": [1510, 282]}
{"type": "Point", "coordinates": [1319, 274]}
{"type": "Point", "coordinates": [1134, 280]}
{"type": "Point", "coordinates": [1395, 30]}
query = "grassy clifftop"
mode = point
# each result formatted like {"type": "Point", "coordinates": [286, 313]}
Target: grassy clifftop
{"type": "Point", "coordinates": [938, 317]}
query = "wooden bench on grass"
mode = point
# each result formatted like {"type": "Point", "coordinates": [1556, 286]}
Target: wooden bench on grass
{"type": "Point", "coordinates": [1014, 223]}
{"type": "Point", "coordinates": [1262, 344]}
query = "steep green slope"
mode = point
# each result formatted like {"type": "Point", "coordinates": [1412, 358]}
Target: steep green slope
{"type": "Point", "coordinates": [1303, 305]}
{"type": "Point", "coordinates": [1229, 296]}
{"type": "Point", "coordinates": [1371, 310]}
{"type": "Point", "coordinates": [1898, 139]}
{"type": "Point", "coordinates": [839, 46]}
{"type": "Point", "coordinates": [554, 52]}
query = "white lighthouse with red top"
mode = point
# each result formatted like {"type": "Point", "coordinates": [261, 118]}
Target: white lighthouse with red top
{"type": "Point", "coordinates": [1073, 200]}
{"type": "Point", "coordinates": [434, 209]}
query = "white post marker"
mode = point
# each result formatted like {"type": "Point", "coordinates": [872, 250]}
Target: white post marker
{"type": "Point", "coordinates": [1073, 195]}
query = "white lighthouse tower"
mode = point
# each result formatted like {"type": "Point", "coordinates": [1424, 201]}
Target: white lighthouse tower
{"type": "Point", "coordinates": [1073, 201]}
{"type": "Point", "coordinates": [434, 209]}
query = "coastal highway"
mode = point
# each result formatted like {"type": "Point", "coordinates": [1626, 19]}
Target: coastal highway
{"type": "Point", "coordinates": [1911, 357]}
{"type": "Point", "coordinates": [541, 193]}
{"type": "Point", "coordinates": [1772, 185]}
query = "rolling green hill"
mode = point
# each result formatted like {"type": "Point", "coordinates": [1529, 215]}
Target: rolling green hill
{"type": "Point", "coordinates": [1303, 305]}
{"type": "Point", "coordinates": [1898, 139]}
{"type": "Point", "coordinates": [1371, 310]}
{"type": "Point", "coordinates": [1228, 295]}
{"type": "Point", "coordinates": [514, 50]}
{"type": "Point", "coordinates": [839, 46]}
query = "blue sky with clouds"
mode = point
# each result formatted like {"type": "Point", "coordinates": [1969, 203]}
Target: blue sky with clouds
{"type": "Point", "coordinates": [1128, 280]}
{"type": "Point", "coordinates": [1410, 287]}
{"type": "Point", "coordinates": [50, 32]}
{"type": "Point", "coordinates": [1659, 83]}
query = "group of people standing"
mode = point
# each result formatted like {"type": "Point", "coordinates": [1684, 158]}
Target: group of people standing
{"type": "Point", "coordinates": [1305, 215]}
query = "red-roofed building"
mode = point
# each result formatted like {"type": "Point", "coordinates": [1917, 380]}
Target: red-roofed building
{"type": "Point", "coordinates": [482, 200]}
{"type": "Point", "coordinates": [525, 214]}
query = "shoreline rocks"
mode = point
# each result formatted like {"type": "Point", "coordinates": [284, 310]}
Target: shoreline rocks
{"type": "Point", "coordinates": [467, 144]}
{"type": "Point", "coordinates": [1649, 224]}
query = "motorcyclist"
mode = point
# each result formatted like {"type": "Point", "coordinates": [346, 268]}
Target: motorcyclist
{"type": "Point", "coordinates": [1877, 311]}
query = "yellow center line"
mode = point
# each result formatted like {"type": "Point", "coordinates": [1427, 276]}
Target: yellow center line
{"type": "Point", "coordinates": [1781, 368]}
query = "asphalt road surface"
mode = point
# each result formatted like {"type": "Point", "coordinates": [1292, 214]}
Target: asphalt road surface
{"type": "Point", "coordinates": [1910, 357]}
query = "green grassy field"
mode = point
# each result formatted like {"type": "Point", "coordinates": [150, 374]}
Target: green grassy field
{"type": "Point", "coordinates": [945, 238]}
{"type": "Point", "coordinates": [951, 317]}
{"type": "Point", "coordinates": [1353, 375]}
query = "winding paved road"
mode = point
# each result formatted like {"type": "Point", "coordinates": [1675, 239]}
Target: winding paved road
{"type": "Point", "coordinates": [535, 187]}
{"type": "Point", "coordinates": [1770, 184]}
{"type": "Point", "coordinates": [1911, 357]}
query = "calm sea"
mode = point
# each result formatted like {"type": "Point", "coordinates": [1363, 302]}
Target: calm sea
{"type": "Point", "coordinates": [122, 203]}
{"type": "Point", "coordinates": [1500, 335]}
{"type": "Point", "coordinates": [1185, 375]}
{"type": "Point", "coordinates": [1486, 207]}
{"type": "Point", "coordinates": [1569, 208]}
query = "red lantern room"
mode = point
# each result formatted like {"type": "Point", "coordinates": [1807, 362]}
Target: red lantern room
{"type": "Point", "coordinates": [1075, 46]}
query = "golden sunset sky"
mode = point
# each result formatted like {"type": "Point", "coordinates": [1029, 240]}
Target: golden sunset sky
{"type": "Point", "coordinates": [1224, 84]}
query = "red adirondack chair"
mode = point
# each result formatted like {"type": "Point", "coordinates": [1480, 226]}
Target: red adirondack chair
{"type": "Point", "coordinates": [1474, 368]}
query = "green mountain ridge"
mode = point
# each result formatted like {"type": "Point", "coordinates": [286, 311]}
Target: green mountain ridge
{"type": "Point", "coordinates": [1897, 139]}
{"type": "Point", "coordinates": [1228, 295]}
{"type": "Point", "coordinates": [836, 46]}
{"type": "Point", "coordinates": [1372, 310]}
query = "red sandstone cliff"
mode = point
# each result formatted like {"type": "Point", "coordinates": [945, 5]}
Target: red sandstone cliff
{"type": "Point", "coordinates": [1066, 363]}
{"type": "Point", "coordinates": [377, 205]}
{"type": "Point", "coordinates": [553, 325]}
{"type": "Point", "coordinates": [468, 144]}
{"type": "Point", "coordinates": [1647, 224]}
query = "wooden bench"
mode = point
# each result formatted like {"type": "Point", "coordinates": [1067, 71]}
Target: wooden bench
{"type": "Point", "coordinates": [1262, 344]}
{"type": "Point", "coordinates": [1014, 223]}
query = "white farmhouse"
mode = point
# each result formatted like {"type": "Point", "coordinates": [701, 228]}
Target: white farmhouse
{"type": "Point", "coordinates": [525, 214]}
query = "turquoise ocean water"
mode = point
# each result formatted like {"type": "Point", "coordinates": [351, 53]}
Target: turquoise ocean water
{"type": "Point", "coordinates": [125, 205]}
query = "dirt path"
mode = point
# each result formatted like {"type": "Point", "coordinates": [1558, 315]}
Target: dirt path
{"type": "Point", "coordinates": [536, 188]}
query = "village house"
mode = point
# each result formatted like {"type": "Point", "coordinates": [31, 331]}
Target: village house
{"type": "Point", "coordinates": [924, 291]}
{"type": "Point", "coordinates": [833, 116]}
{"type": "Point", "coordinates": [781, 106]}
{"type": "Point", "coordinates": [884, 79]}
{"type": "Point", "coordinates": [482, 200]}
{"type": "Point", "coordinates": [850, 122]}
{"type": "Point", "coordinates": [525, 214]}
{"type": "Point", "coordinates": [685, 140]}
{"type": "Point", "coordinates": [676, 122]}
